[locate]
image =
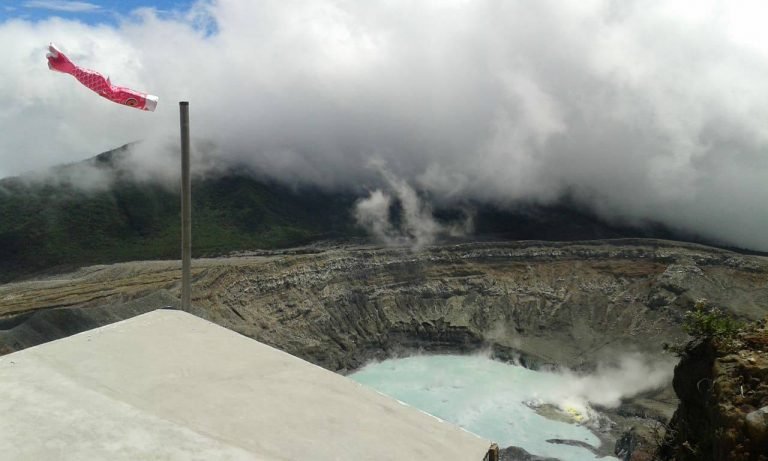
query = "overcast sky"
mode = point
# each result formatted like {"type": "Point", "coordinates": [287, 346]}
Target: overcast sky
{"type": "Point", "coordinates": [642, 109]}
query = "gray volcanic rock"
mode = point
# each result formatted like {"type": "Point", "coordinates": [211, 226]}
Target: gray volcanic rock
{"type": "Point", "coordinates": [563, 304]}
{"type": "Point", "coordinates": [545, 303]}
{"type": "Point", "coordinates": [552, 302]}
{"type": "Point", "coordinates": [757, 425]}
{"type": "Point", "coordinates": [519, 454]}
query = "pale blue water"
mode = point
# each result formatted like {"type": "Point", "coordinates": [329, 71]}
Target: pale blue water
{"type": "Point", "coordinates": [485, 397]}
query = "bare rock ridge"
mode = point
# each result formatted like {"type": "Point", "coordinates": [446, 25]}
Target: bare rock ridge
{"type": "Point", "coordinates": [563, 304]}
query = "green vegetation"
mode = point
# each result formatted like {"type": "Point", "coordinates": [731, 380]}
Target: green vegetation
{"type": "Point", "coordinates": [709, 322]}
{"type": "Point", "coordinates": [46, 226]}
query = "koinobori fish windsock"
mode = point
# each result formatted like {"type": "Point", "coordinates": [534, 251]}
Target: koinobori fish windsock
{"type": "Point", "coordinates": [95, 81]}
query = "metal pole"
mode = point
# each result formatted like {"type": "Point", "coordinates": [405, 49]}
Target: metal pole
{"type": "Point", "coordinates": [493, 453]}
{"type": "Point", "coordinates": [186, 210]}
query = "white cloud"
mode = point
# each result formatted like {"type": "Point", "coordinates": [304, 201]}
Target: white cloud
{"type": "Point", "coordinates": [641, 110]}
{"type": "Point", "coordinates": [62, 5]}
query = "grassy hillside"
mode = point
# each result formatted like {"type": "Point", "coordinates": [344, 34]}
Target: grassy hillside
{"type": "Point", "coordinates": [47, 225]}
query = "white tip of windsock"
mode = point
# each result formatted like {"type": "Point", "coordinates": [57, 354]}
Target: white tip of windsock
{"type": "Point", "coordinates": [53, 52]}
{"type": "Point", "coordinates": [151, 103]}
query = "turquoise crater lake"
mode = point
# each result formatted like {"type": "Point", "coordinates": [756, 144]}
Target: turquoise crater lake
{"type": "Point", "coordinates": [490, 398]}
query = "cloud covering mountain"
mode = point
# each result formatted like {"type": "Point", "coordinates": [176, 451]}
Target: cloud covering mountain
{"type": "Point", "coordinates": [642, 110]}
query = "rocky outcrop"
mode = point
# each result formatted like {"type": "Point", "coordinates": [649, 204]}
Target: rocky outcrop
{"type": "Point", "coordinates": [627, 445]}
{"type": "Point", "coordinates": [519, 454]}
{"type": "Point", "coordinates": [723, 410]}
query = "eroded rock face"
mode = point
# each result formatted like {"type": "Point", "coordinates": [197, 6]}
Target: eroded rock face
{"type": "Point", "coordinates": [558, 304]}
{"type": "Point", "coordinates": [551, 303]}
{"type": "Point", "coordinates": [723, 410]}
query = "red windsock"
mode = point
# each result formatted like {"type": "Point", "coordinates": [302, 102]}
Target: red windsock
{"type": "Point", "coordinates": [102, 86]}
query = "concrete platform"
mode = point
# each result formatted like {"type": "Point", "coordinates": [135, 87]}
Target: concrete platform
{"type": "Point", "coordinates": [169, 386]}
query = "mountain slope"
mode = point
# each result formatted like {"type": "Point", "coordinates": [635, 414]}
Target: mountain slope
{"type": "Point", "coordinates": [51, 223]}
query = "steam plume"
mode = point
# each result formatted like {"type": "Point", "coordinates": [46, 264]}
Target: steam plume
{"type": "Point", "coordinates": [416, 225]}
